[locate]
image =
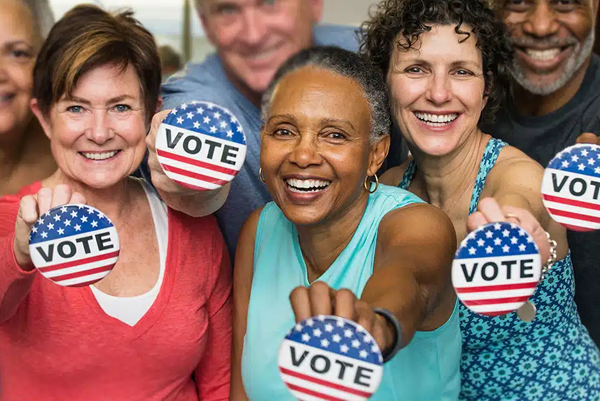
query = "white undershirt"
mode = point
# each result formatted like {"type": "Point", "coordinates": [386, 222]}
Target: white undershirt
{"type": "Point", "coordinates": [130, 310]}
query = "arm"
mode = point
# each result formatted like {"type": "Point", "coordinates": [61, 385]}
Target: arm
{"type": "Point", "coordinates": [15, 282]}
{"type": "Point", "coordinates": [411, 278]}
{"type": "Point", "coordinates": [515, 186]}
{"type": "Point", "coordinates": [242, 284]}
{"type": "Point", "coordinates": [411, 274]}
{"type": "Point", "coordinates": [16, 270]}
{"type": "Point", "coordinates": [190, 202]}
{"type": "Point", "coordinates": [213, 373]}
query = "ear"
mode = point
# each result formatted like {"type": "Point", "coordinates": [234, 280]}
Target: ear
{"type": "Point", "coordinates": [159, 104]}
{"type": "Point", "coordinates": [316, 7]}
{"type": "Point", "coordinates": [379, 151]}
{"type": "Point", "coordinates": [33, 104]}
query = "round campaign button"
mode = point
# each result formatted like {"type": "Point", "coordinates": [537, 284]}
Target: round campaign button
{"type": "Point", "coordinates": [330, 358]}
{"type": "Point", "coordinates": [571, 187]}
{"type": "Point", "coordinates": [74, 245]}
{"type": "Point", "coordinates": [496, 269]}
{"type": "Point", "coordinates": [201, 146]}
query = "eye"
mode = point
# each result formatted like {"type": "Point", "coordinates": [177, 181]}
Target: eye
{"type": "Point", "coordinates": [226, 9]}
{"type": "Point", "coordinates": [516, 5]}
{"type": "Point", "coordinates": [414, 70]}
{"type": "Point", "coordinates": [463, 72]}
{"type": "Point", "coordinates": [75, 109]}
{"type": "Point", "coordinates": [269, 3]}
{"type": "Point", "coordinates": [336, 136]}
{"type": "Point", "coordinates": [282, 132]}
{"type": "Point", "coordinates": [565, 5]}
{"type": "Point", "coordinates": [20, 54]}
{"type": "Point", "coordinates": [121, 108]}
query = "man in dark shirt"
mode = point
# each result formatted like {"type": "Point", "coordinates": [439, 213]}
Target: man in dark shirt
{"type": "Point", "coordinates": [555, 99]}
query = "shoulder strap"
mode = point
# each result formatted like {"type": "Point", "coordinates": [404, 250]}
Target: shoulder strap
{"type": "Point", "coordinates": [490, 156]}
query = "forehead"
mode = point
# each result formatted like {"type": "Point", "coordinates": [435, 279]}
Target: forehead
{"type": "Point", "coordinates": [16, 20]}
{"type": "Point", "coordinates": [313, 92]}
{"type": "Point", "coordinates": [442, 43]}
{"type": "Point", "coordinates": [108, 81]}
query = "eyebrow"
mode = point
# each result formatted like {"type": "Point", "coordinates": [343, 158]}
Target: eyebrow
{"type": "Point", "coordinates": [13, 43]}
{"type": "Point", "coordinates": [339, 121]}
{"type": "Point", "coordinates": [293, 119]}
{"type": "Point", "coordinates": [109, 101]}
{"type": "Point", "coordinates": [457, 63]}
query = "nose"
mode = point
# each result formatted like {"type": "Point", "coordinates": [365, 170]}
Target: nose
{"type": "Point", "coordinates": [541, 21]}
{"type": "Point", "coordinates": [305, 152]}
{"type": "Point", "coordinates": [254, 27]}
{"type": "Point", "coordinates": [100, 131]}
{"type": "Point", "coordinates": [439, 89]}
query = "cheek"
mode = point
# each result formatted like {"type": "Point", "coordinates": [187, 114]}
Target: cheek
{"type": "Point", "coordinates": [470, 95]}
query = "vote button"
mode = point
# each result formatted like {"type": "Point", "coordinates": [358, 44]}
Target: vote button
{"type": "Point", "coordinates": [571, 187]}
{"type": "Point", "coordinates": [74, 245]}
{"type": "Point", "coordinates": [330, 358]}
{"type": "Point", "coordinates": [496, 269]}
{"type": "Point", "coordinates": [201, 146]}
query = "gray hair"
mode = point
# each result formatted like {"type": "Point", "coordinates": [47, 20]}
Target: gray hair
{"type": "Point", "coordinates": [43, 17]}
{"type": "Point", "coordinates": [346, 64]}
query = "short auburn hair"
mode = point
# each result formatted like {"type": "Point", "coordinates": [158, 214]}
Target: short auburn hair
{"type": "Point", "coordinates": [86, 38]}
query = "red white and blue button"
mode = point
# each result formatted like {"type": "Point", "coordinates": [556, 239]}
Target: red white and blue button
{"type": "Point", "coordinates": [74, 245]}
{"type": "Point", "coordinates": [571, 187]}
{"type": "Point", "coordinates": [201, 146]}
{"type": "Point", "coordinates": [496, 269]}
{"type": "Point", "coordinates": [330, 358]}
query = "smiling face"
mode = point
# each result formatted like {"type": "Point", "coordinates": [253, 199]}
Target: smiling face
{"type": "Point", "coordinates": [552, 39]}
{"type": "Point", "coordinates": [255, 37]}
{"type": "Point", "coordinates": [18, 47]}
{"type": "Point", "coordinates": [315, 148]}
{"type": "Point", "coordinates": [437, 90]}
{"type": "Point", "coordinates": [98, 135]}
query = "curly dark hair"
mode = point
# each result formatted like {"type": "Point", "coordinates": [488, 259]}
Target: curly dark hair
{"type": "Point", "coordinates": [410, 18]}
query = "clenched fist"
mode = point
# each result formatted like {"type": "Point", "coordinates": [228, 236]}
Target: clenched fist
{"type": "Point", "coordinates": [31, 208]}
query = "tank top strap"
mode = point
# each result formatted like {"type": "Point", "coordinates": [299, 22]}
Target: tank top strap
{"type": "Point", "coordinates": [408, 175]}
{"type": "Point", "coordinates": [490, 156]}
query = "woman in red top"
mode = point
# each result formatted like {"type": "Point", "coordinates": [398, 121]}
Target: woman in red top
{"type": "Point", "coordinates": [158, 326]}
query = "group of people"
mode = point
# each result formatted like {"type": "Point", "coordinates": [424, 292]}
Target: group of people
{"type": "Point", "coordinates": [328, 215]}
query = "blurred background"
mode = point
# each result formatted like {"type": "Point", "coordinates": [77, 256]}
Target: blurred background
{"type": "Point", "coordinates": [174, 22]}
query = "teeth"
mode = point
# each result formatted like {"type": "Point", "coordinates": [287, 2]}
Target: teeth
{"type": "Point", "coordinates": [307, 185]}
{"type": "Point", "coordinates": [100, 156]}
{"type": "Point", "coordinates": [262, 55]}
{"type": "Point", "coordinates": [436, 119]}
{"type": "Point", "coordinates": [543, 54]}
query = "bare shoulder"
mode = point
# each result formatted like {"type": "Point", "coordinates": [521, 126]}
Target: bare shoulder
{"type": "Point", "coordinates": [515, 168]}
{"type": "Point", "coordinates": [422, 222]}
{"type": "Point", "coordinates": [394, 175]}
{"type": "Point", "coordinates": [244, 255]}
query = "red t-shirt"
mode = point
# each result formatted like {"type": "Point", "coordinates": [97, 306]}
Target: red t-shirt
{"type": "Point", "coordinates": [56, 343]}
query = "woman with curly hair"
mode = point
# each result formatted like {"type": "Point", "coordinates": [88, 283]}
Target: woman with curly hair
{"type": "Point", "coordinates": [445, 66]}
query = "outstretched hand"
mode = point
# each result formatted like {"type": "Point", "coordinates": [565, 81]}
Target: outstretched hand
{"type": "Point", "coordinates": [320, 299]}
{"type": "Point", "coordinates": [488, 211]}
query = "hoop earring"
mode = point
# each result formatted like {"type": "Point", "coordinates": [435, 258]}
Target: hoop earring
{"type": "Point", "coordinates": [261, 176]}
{"type": "Point", "coordinates": [367, 185]}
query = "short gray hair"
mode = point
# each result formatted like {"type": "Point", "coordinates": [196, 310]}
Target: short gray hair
{"type": "Point", "coordinates": [43, 18]}
{"type": "Point", "coordinates": [346, 64]}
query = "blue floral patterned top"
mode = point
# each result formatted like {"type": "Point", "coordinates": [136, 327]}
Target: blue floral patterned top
{"type": "Point", "coordinates": [504, 358]}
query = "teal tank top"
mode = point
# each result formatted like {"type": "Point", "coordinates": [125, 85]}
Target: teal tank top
{"type": "Point", "coordinates": [427, 369]}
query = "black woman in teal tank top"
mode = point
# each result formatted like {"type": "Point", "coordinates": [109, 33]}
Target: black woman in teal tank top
{"type": "Point", "coordinates": [445, 72]}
